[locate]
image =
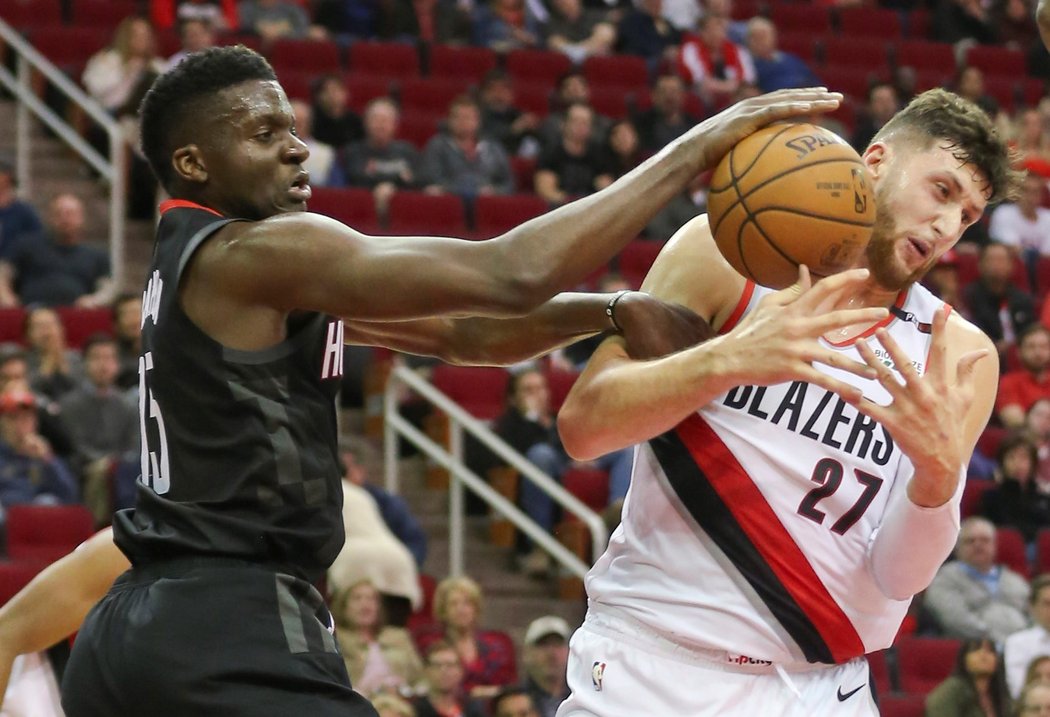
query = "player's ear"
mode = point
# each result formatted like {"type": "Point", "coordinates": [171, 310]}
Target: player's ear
{"type": "Point", "coordinates": [188, 163]}
{"type": "Point", "coordinates": [875, 157]}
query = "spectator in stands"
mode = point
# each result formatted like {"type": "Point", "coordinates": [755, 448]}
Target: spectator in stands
{"type": "Point", "coordinates": [1034, 700]}
{"type": "Point", "coordinates": [682, 14]}
{"type": "Point", "coordinates": [943, 278]}
{"type": "Point", "coordinates": [361, 461]}
{"type": "Point", "coordinates": [379, 657]}
{"type": "Point", "coordinates": [54, 368]}
{"type": "Point", "coordinates": [1020, 388]}
{"type": "Point", "coordinates": [103, 424]}
{"type": "Point", "coordinates": [579, 32]}
{"type": "Point", "coordinates": [464, 162]}
{"type": "Point", "coordinates": [976, 687]}
{"type": "Point", "coordinates": [194, 35]}
{"type": "Point", "coordinates": [219, 14]}
{"type": "Point", "coordinates": [14, 369]}
{"type": "Point", "coordinates": [994, 302]}
{"type": "Point", "coordinates": [690, 203]}
{"type": "Point", "coordinates": [393, 706]}
{"type": "Point", "coordinates": [545, 659]}
{"type": "Point", "coordinates": [444, 678]}
{"type": "Point", "coordinates": [622, 151]}
{"type": "Point", "coordinates": [127, 329]}
{"type": "Point", "coordinates": [713, 64]}
{"type": "Point", "coordinates": [573, 167]}
{"type": "Point", "coordinates": [18, 218]}
{"type": "Point", "coordinates": [502, 120]}
{"type": "Point", "coordinates": [1037, 426]}
{"type": "Point", "coordinates": [57, 267]}
{"type": "Point", "coordinates": [1018, 501]}
{"type": "Point", "coordinates": [1012, 20]}
{"type": "Point", "coordinates": [119, 75]}
{"type": "Point", "coordinates": [723, 9]}
{"type": "Point", "coordinates": [486, 657]}
{"type": "Point", "coordinates": [273, 19]}
{"type": "Point", "coordinates": [1030, 138]}
{"type": "Point", "coordinates": [1024, 225]}
{"type": "Point", "coordinates": [1038, 671]}
{"type": "Point", "coordinates": [969, 84]}
{"type": "Point", "coordinates": [645, 32]}
{"type": "Point", "coordinates": [1022, 647]}
{"type": "Point", "coordinates": [774, 68]}
{"type": "Point", "coordinates": [432, 21]}
{"type": "Point", "coordinates": [514, 702]}
{"type": "Point", "coordinates": [883, 103]}
{"type": "Point", "coordinates": [321, 163]}
{"type": "Point", "coordinates": [372, 552]}
{"type": "Point", "coordinates": [334, 123]}
{"type": "Point", "coordinates": [504, 25]}
{"type": "Point", "coordinates": [956, 20]}
{"type": "Point", "coordinates": [572, 88]}
{"type": "Point", "coordinates": [667, 119]}
{"type": "Point", "coordinates": [973, 596]}
{"type": "Point", "coordinates": [29, 470]}
{"type": "Point", "coordinates": [380, 161]}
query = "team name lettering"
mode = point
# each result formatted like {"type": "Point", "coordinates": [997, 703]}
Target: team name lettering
{"type": "Point", "coordinates": [831, 421]}
{"type": "Point", "coordinates": [332, 365]}
{"type": "Point", "coordinates": [151, 298]}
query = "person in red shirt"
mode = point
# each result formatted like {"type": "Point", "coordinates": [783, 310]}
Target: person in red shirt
{"type": "Point", "coordinates": [1019, 389]}
{"type": "Point", "coordinates": [715, 65]}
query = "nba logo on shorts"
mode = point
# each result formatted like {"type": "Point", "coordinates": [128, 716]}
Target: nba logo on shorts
{"type": "Point", "coordinates": [597, 672]}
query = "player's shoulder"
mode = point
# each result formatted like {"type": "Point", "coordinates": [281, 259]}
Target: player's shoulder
{"type": "Point", "coordinates": [961, 332]}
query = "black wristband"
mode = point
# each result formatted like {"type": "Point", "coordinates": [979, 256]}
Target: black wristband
{"type": "Point", "coordinates": [610, 308]}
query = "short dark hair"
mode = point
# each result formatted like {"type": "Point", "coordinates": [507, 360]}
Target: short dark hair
{"type": "Point", "coordinates": [174, 99]}
{"type": "Point", "coordinates": [1039, 582]}
{"type": "Point", "coordinates": [940, 115]}
{"type": "Point", "coordinates": [97, 339]}
{"type": "Point", "coordinates": [506, 693]}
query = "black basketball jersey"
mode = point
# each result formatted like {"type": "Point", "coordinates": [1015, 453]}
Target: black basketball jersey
{"type": "Point", "coordinates": [239, 453]}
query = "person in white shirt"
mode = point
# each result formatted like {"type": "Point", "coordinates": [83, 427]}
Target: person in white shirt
{"type": "Point", "coordinates": [1022, 647]}
{"type": "Point", "coordinates": [1024, 224]}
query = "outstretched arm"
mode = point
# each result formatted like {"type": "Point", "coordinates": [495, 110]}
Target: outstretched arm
{"type": "Point", "coordinates": [650, 327]}
{"type": "Point", "coordinates": [53, 606]}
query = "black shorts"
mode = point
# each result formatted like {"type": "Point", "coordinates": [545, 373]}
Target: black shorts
{"type": "Point", "coordinates": [209, 637]}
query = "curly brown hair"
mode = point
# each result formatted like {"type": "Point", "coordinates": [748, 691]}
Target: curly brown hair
{"type": "Point", "coordinates": [940, 115]}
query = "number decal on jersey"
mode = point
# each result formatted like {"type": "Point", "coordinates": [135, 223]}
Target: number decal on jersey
{"type": "Point", "coordinates": [155, 469]}
{"type": "Point", "coordinates": [828, 474]}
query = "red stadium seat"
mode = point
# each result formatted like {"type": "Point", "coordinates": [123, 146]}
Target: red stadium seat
{"type": "Point", "coordinates": [82, 323]}
{"type": "Point", "coordinates": [925, 662]}
{"type": "Point", "coordinates": [46, 532]}
{"type": "Point", "coordinates": [481, 391]}
{"type": "Point", "coordinates": [467, 63]}
{"type": "Point", "coordinates": [1011, 550]}
{"type": "Point", "coordinates": [918, 23]}
{"type": "Point", "coordinates": [534, 97]}
{"type": "Point", "coordinates": [994, 60]}
{"type": "Point", "coordinates": [297, 85]}
{"type": "Point", "coordinates": [925, 55]}
{"type": "Point", "coordinates": [524, 169]}
{"type": "Point", "coordinates": [384, 59]}
{"type": "Point", "coordinates": [966, 265]}
{"type": "Point", "coordinates": [860, 52]}
{"type": "Point", "coordinates": [310, 56]}
{"type": "Point", "coordinates": [1033, 89]}
{"type": "Point", "coordinates": [353, 206]}
{"type": "Point", "coordinates": [431, 95]}
{"type": "Point", "coordinates": [560, 383]}
{"type": "Point", "coordinates": [869, 22]}
{"type": "Point", "coordinates": [542, 66]}
{"type": "Point", "coordinates": [16, 575]}
{"type": "Point", "coordinates": [1042, 551]}
{"type": "Point", "coordinates": [364, 88]}
{"type": "Point", "coordinates": [746, 9]}
{"type": "Point", "coordinates": [846, 113]}
{"type": "Point", "coordinates": [973, 495]}
{"type": "Point", "coordinates": [590, 485]}
{"type": "Point", "coordinates": [496, 214]}
{"type": "Point", "coordinates": [621, 71]}
{"type": "Point", "coordinates": [11, 323]}
{"type": "Point", "coordinates": [24, 14]}
{"type": "Point", "coordinates": [849, 81]}
{"type": "Point", "coordinates": [637, 258]}
{"type": "Point", "coordinates": [902, 705]}
{"type": "Point", "coordinates": [1003, 89]}
{"type": "Point", "coordinates": [70, 47]}
{"type": "Point", "coordinates": [801, 17]}
{"type": "Point", "coordinates": [989, 440]}
{"type": "Point", "coordinates": [612, 102]}
{"type": "Point", "coordinates": [102, 13]}
{"type": "Point", "coordinates": [880, 672]}
{"type": "Point", "coordinates": [798, 43]}
{"type": "Point", "coordinates": [419, 127]}
{"type": "Point", "coordinates": [416, 213]}
{"type": "Point", "coordinates": [253, 42]}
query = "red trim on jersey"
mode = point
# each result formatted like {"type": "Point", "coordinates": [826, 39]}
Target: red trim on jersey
{"type": "Point", "coordinates": [169, 204]}
{"type": "Point", "coordinates": [773, 542]}
{"type": "Point", "coordinates": [738, 310]}
{"type": "Point", "coordinates": [901, 298]}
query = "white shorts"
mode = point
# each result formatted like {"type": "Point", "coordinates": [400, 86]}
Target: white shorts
{"type": "Point", "coordinates": [617, 670]}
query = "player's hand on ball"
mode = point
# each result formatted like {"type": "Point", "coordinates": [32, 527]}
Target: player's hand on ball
{"type": "Point", "coordinates": [655, 328]}
{"type": "Point", "coordinates": [719, 133]}
{"type": "Point", "coordinates": [780, 340]}
{"type": "Point", "coordinates": [923, 417]}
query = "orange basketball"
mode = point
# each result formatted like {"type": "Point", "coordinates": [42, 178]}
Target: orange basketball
{"type": "Point", "coordinates": [789, 195]}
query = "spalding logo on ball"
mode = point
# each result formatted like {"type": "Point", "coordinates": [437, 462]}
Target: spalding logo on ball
{"type": "Point", "coordinates": [789, 195]}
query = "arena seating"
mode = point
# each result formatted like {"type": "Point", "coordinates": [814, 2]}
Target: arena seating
{"type": "Point", "coordinates": [46, 533]}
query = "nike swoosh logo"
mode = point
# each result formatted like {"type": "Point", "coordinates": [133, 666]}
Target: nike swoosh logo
{"type": "Point", "coordinates": [844, 697]}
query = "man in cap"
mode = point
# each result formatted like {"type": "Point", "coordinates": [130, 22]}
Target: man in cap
{"type": "Point", "coordinates": [545, 659]}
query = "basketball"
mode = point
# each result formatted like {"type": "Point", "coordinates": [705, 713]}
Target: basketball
{"type": "Point", "coordinates": [790, 195]}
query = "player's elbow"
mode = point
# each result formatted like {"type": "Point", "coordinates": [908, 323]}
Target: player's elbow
{"type": "Point", "coordinates": [579, 436]}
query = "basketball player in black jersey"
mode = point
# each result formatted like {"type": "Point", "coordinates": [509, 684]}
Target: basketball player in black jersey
{"type": "Point", "coordinates": [243, 323]}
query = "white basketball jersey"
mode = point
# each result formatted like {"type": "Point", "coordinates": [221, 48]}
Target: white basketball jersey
{"type": "Point", "coordinates": [747, 528]}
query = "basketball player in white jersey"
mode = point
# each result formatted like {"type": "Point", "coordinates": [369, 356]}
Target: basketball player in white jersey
{"type": "Point", "coordinates": [783, 511]}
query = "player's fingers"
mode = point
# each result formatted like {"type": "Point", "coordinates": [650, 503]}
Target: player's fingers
{"type": "Point", "coordinates": [832, 287]}
{"type": "Point", "coordinates": [798, 94]}
{"type": "Point", "coordinates": [783, 110]}
{"type": "Point", "coordinates": [938, 359]}
{"type": "Point", "coordinates": [850, 394]}
{"type": "Point", "coordinates": [965, 370]}
{"type": "Point", "coordinates": [903, 364]}
{"type": "Point", "coordinates": [791, 293]}
{"type": "Point", "coordinates": [842, 362]}
{"type": "Point", "coordinates": [880, 414]}
{"type": "Point", "coordinates": [883, 374]}
{"type": "Point", "coordinates": [842, 318]}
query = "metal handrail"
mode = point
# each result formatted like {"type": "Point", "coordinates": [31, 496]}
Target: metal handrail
{"type": "Point", "coordinates": [462, 476]}
{"type": "Point", "coordinates": [112, 170]}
